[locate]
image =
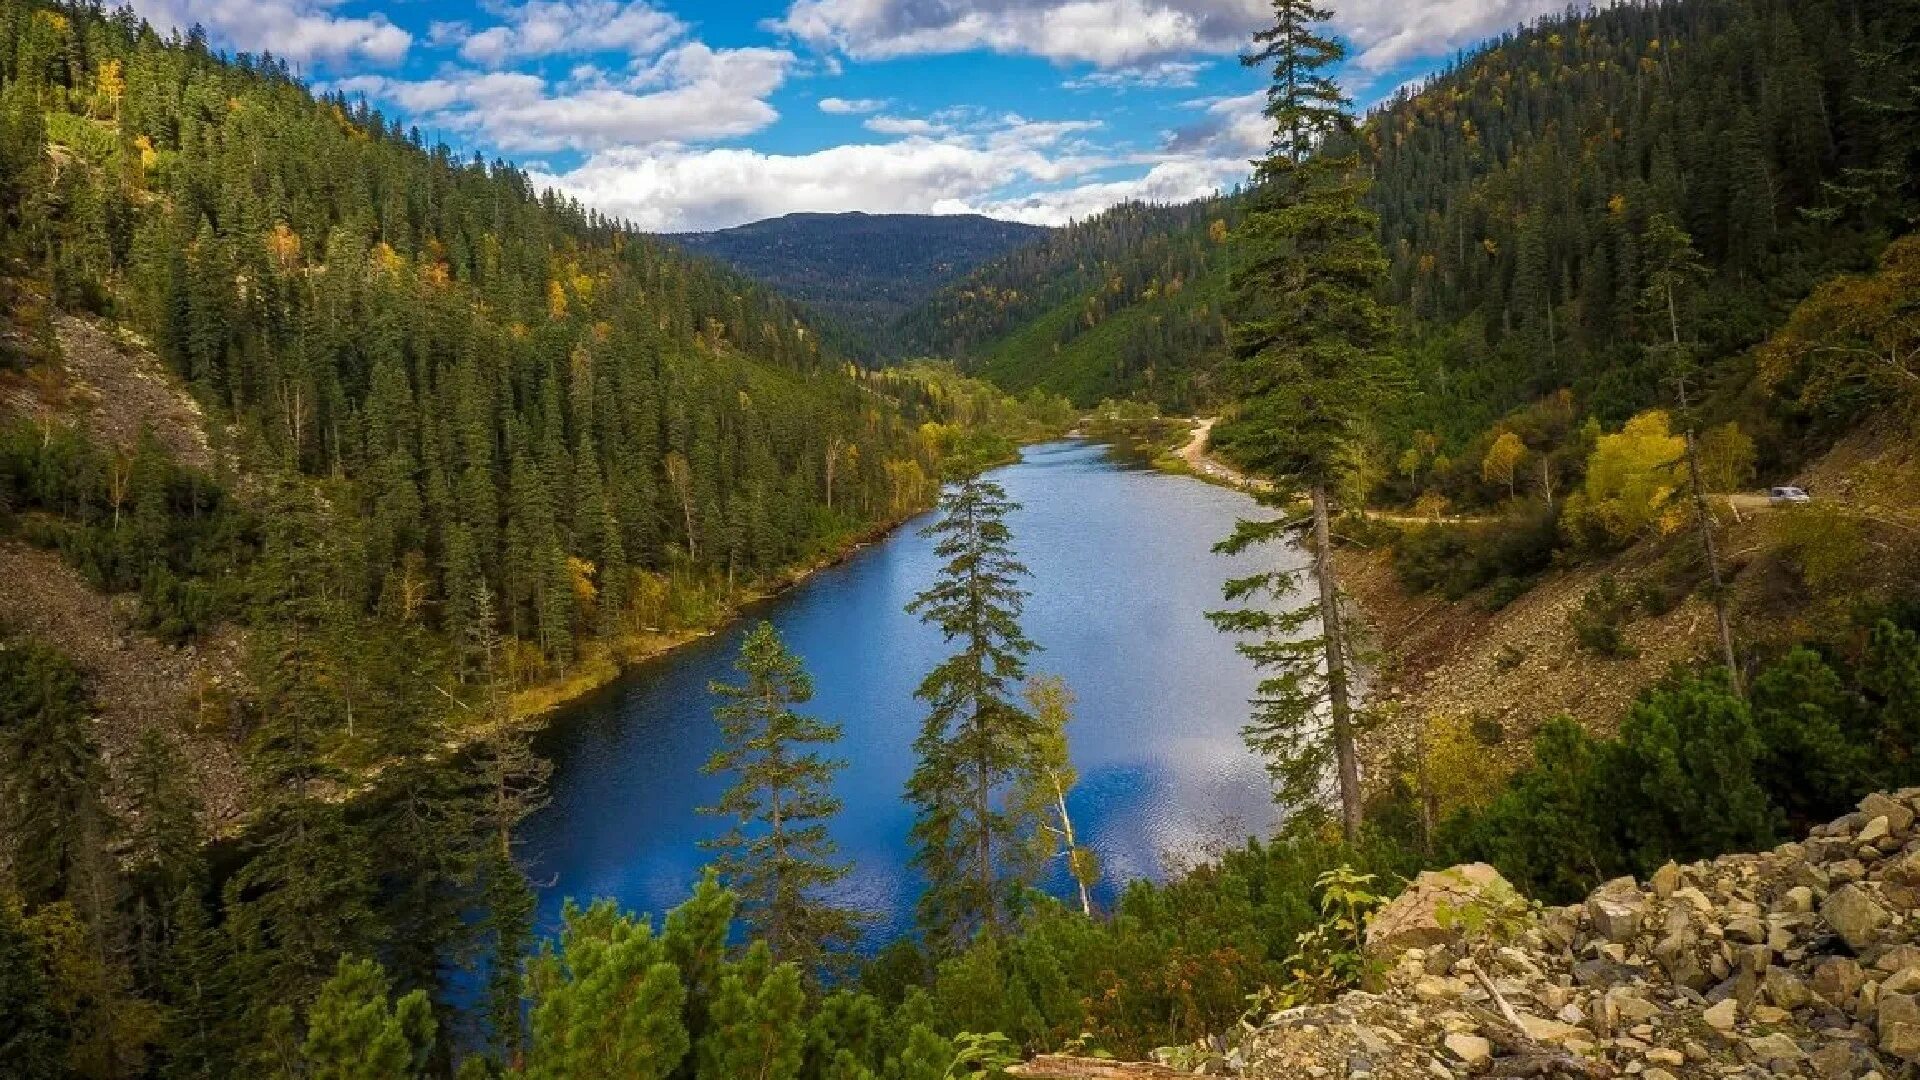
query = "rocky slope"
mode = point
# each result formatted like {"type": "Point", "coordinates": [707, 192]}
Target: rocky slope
{"type": "Point", "coordinates": [1801, 961]}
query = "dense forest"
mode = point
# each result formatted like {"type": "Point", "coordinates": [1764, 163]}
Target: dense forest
{"type": "Point", "coordinates": [861, 272]}
{"type": "Point", "coordinates": [1514, 190]}
{"type": "Point", "coordinates": [1128, 301]}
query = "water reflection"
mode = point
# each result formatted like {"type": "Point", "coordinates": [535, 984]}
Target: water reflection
{"type": "Point", "coordinates": [1122, 578]}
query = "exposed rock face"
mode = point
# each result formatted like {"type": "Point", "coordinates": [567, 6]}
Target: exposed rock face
{"type": "Point", "coordinates": [1802, 961]}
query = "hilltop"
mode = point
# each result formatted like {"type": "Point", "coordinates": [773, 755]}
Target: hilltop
{"type": "Point", "coordinates": [861, 272]}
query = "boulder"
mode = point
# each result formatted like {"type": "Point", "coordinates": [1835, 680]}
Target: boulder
{"type": "Point", "coordinates": [1898, 1024]}
{"type": "Point", "coordinates": [1855, 915]}
{"type": "Point", "coordinates": [1616, 910]}
{"type": "Point", "coordinates": [1430, 911]}
{"type": "Point", "coordinates": [1899, 816]}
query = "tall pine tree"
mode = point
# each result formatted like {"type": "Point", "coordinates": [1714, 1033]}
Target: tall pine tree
{"type": "Point", "coordinates": [976, 739]}
{"type": "Point", "coordinates": [1307, 342]}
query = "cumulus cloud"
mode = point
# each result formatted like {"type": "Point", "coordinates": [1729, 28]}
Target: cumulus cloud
{"type": "Point", "coordinates": [300, 30]}
{"type": "Point", "coordinates": [1114, 34]}
{"type": "Point", "coordinates": [563, 27]}
{"type": "Point", "coordinates": [1107, 33]}
{"type": "Point", "coordinates": [968, 168]}
{"type": "Point", "coordinates": [851, 107]}
{"type": "Point", "coordinates": [691, 92]}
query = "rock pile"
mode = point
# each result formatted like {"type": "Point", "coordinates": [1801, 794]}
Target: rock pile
{"type": "Point", "coordinates": [1802, 961]}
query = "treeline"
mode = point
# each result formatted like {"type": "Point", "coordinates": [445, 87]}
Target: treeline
{"type": "Point", "coordinates": [1515, 191]}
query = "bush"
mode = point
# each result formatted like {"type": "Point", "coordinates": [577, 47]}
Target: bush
{"type": "Point", "coordinates": [1696, 771]}
{"type": "Point", "coordinates": [1598, 623]}
{"type": "Point", "coordinates": [1456, 560]}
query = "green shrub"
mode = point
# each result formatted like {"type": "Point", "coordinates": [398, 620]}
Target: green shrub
{"type": "Point", "coordinates": [1598, 623]}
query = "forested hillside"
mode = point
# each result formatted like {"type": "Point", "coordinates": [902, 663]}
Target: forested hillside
{"type": "Point", "coordinates": [1514, 192]}
{"type": "Point", "coordinates": [1128, 301]}
{"type": "Point", "coordinates": [861, 271]}
{"type": "Point", "coordinates": [497, 399]}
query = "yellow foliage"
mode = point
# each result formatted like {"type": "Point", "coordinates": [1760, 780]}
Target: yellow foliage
{"type": "Point", "coordinates": [388, 260]}
{"type": "Point", "coordinates": [1617, 205]}
{"type": "Point", "coordinates": [109, 82]}
{"type": "Point", "coordinates": [283, 244]}
{"type": "Point", "coordinates": [580, 578]}
{"type": "Point", "coordinates": [556, 300]}
{"type": "Point", "coordinates": [1503, 457]}
{"type": "Point", "coordinates": [1858, 330]}
{"type": "Point", "coordinates": [1632, 478]}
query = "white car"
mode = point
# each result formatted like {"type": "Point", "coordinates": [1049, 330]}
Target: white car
{"type": "Point", "coordinates": [1788, 496]}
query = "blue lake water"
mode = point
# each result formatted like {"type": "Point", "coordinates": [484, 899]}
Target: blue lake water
{"type": "Point", "coordinates": [1122, 579]}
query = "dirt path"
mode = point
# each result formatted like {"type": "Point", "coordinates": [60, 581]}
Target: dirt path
{"type": "Point", "coordinates": [1208, 467]}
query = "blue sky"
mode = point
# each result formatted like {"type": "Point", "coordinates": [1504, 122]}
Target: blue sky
{"type": "Point", "coordinates": [694, 114]}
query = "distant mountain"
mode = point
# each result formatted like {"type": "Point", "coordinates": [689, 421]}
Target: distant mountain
{"type": "Point", "coordinates": [861, 271]}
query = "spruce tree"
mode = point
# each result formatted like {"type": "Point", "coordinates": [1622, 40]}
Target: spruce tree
{"type": "Point", "coordinates": [1308, 341]}
{"type": "Point", "coordinates": [975, 738]}
{"type": "Point", "coordinates": [776, 855]}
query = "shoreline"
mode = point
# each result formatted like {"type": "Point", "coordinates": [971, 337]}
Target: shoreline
{"type": "Point", "coordinates": [531, 708]}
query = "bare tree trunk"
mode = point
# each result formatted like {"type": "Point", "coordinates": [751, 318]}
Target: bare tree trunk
{"type": "Point", "coordinates": [1333, 635]}
{"type": "Point", "coordinates": [1704, 521]}
{"type": "Point", "coordinates": [1073, 848]}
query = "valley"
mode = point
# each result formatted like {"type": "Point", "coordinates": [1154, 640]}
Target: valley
{"type": "Point", "coordinates": [516, 569]}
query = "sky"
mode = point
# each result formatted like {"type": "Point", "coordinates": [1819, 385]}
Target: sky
{"type": "Point", "coordinates": [682, 115]}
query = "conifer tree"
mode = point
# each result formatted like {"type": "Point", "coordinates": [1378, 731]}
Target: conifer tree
{"type": "Point", "coordinates": [975, 738]}
{"type": "Point", "coordinates": [607, 1001]}
{"type": "Point", "coordinates": [776, 855]}
{"type": "Point", "coordinates": [756, 1025]}
{"type": "Point", "coordinates": [355, 1031]}
{"type": "Point", "coordinates": [1307, 343]}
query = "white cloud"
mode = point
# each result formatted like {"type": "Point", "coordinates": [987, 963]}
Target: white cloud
{"type": "Point", "coordinates": [967, 169]}
{"type": "Point", "coordinates": [1174, 181]}
{"type": "Point", "coordinates": [690, 93]}
{"type": "Point", "coordinates": [851, 107]}
{"type": "Point", "coordinates": [562, 28]}
{"type": "Point", "coordinates": [1107, 33]}
{"type": "Point", "coordinates": [1389, 32]}
{"type": "Point", "coordinates": [900, 125]}
{"type": "Point", "coordinates": [300, 30]}
{"type": "Point", "coordinates": [1137, 33]}
{"type": "Point", "coordinates": [1165, 74]}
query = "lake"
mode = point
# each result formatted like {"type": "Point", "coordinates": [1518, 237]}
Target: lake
{"type": "Point", "coordinates": [1122, 578]}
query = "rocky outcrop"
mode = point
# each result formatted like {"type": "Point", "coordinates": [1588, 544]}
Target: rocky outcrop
{"type": "Point", "coordinates": [1802, 961]}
